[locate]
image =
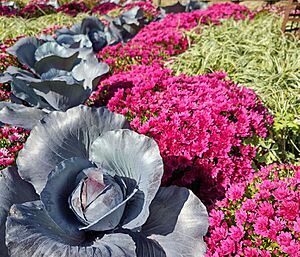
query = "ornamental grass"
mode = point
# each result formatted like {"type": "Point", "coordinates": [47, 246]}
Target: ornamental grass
{"type": "Point", "coordinates": [12, 27]}
{"type": "Point", "coordinates": [256, 55]}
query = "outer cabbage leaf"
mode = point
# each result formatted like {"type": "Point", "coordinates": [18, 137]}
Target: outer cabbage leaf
{"type": "Point", "coordinates": [132, 16]}
{"type": "Point", "coordinates": [146, 247]}
{"type": "Point", "coordinates": [91, 23]}
{"type": "Point", "coordinates": [125, 26]}
{"type": "Point", "coordinates": [90, 72]}
{"type": "Point", "coordinates": [53, 49]}
{"type": "Point", "coordinates": [128, 154]}
{"type": "Point", "coordinates": [31, 232]}
{"type": "Point", "coordinates": [74, 41]}
{"type": "Point", "coordinates": [20, 86]}
{"type": "Point", "coordinates": [20, 115]}
{"type": "Point", "coordinates": [191, 5]}
{"type": "Point", "coordinates": [24, 49]}
{"type": "Point", "coordinates": [178, 221]}
{"type": "Point", "coordinates": [12, 190]}
{"type": "Point", "coordinates": [51, 55]}
{"type": "Point", "coordinates": [61, 136]}
{"type": "Point", "coordinates": [60, 95]}
{"type": "Point", "coordinates": [87, 34]}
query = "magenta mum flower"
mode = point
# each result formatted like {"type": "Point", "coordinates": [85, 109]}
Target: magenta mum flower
{"type": "Point", "coordinates": [260, 226]}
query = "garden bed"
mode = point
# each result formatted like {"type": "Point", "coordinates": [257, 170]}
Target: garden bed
{"type": "Point", "coordinates": [215, 91]}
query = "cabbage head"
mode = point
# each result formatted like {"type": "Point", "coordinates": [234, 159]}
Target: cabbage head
{"type": "Point", "coordinates": [56, 78]}
{"type": "Point", "coordinates": [98, 194]}
{"type": "Point", "coordinates": [178, 7]}
{"type": "Point", "coordinates": [90, 34]}
{"type": "Point", "coordinates": [125, 26]}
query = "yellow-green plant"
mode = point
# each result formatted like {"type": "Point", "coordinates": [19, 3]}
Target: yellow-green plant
{"type": "Point", "coordinates": [11, 27]}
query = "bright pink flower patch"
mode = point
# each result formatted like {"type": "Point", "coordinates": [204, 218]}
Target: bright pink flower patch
{"type": "Point", "coordinates": [73, 8]}
{"type": "Point", "coordinates": [11, 141]}
{"type": "Point", "coordinates": [270, 226]}
{"type": "Point", "coordinates": [200, 124]}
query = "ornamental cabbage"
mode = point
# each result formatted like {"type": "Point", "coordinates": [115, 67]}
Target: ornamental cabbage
{"type": "Point", "coordinates": [91, 34]}
{"type": "Point", "coordinates": [99, 193]}
{"type": "Point", "coordinates": [56, 79]}
{"type": "Point", "coordinates": [87, 34]}
{"type": "Point", "coordinates": [126, 26]}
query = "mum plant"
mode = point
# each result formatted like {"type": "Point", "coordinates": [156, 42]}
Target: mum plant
{"type": "Point", "coordinates": [98, 193]}
{"type": "Point", "coordinates": [7, 11]}
{"type": "Point", "coordinates": [55, 78]}
{"type": "Point", "coordinates": [11, 141]}
{"type": "Point", "coordinates": [260, 217]}
{"type": "Point", "coordinates": [205, 126]}
{"type": "Point", "coordinates": [104, 8]}
{"type": "Point", "coordinates": [36, 10]}
{"type": "Point", "coordinates": [73, 8]}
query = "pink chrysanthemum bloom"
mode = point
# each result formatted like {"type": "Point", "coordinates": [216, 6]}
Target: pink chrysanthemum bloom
{"type": "Point", "coordinates": [260, 226]}
{"type": "Point", "coordinates": [104, 8]}
{"type": "Point", "coordinates": [7, 11]}
{"type": "Point", "coordinates": [73, 8]}
{"type": "Point", "coordinates": [11, 141]}
{"type": "Point", "coordinates": [36, 10]}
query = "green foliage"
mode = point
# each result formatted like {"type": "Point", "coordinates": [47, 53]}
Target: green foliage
{"type": "Point", "coordinates": [11, 27]}
{"type": "Point", "coordinates": [254, 53]}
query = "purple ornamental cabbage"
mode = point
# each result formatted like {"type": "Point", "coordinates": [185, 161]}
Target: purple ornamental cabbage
{"type": "Point", "coordinates": [57, 78]}
{"type": "Point", "coordinates": [99, 194]}
{"type": "Point", "coordinates": [125, 26]}
{"type": "Point", "coordinates": [91, 34]}
{"type": "Point", "coordinates": [87, 34]}
{"type": "Point", "coordinates": [178, 7]}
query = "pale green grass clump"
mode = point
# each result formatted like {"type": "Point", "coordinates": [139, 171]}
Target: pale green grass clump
{"type": "Point", "coordinates": [255, 54]}
{"type": "Point", "coordinates": [11, 27]}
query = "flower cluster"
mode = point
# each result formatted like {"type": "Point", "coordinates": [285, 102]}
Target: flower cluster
{"type": "Point", "coordinates": [11, 141]}
{"type": "Point", "coordinates": [73, 8]}
{"type": "Point", "coordinates": [149, 9]}
{"type": "Point", "coordinates": [6, 59]}
{"type": "Point", "coordinates": [200, 123]}
{"type": "Point", "coordinates": [212, 15]}
{"type": "Point", "coordinates": [148, 47]}
{"type": "Point", "coordinates": [7, 11]}
{"type": "Point", "coordinates": [279, 10]}
{"type": "Point", "coordinates": [259, 218]}
{"type": "Point", "coordinates": [51, 30]}
{"type": "Point", "coordinates": [36, 10]}
{"type": "Point", "coordinates": [104, 8]}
